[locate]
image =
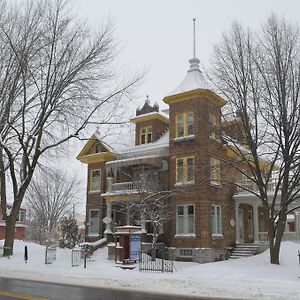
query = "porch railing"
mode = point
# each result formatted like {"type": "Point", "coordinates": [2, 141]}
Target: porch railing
{"type": "Point", "coordinates": [287, 236]}
{"type": "Point", "coordinates": [248, 185]}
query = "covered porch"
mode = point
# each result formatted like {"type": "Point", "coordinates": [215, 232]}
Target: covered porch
{"type": "Point", "coordinates": [250, 225]}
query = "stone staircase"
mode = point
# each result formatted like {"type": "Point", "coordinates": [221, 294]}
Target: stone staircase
{"type": "Point", "coordinates": [244, 250]}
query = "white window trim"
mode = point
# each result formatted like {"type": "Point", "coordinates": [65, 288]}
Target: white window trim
{"type": "Point", "coordinates": [91, 179]}
{"type": "Point", "coordinates": [89, 228]}
{"type": "Point", "coordinates": [184, 138]}
{"type": "Point", "coordinates": [185, 221]}
{"type": "Point", "coordinates": [217, 234]}
{"type": "Point", "coordinates": [182, 249]}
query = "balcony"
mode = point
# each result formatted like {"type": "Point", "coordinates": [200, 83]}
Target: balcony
{"type": "Point", "coordinates": [120, 189]}
{"type": "Point", "coordinates": [246, 189]}
{"type": "Point", "coordinates": [246, 186]}
{"type": "Point", "coordinates": [123, 186]}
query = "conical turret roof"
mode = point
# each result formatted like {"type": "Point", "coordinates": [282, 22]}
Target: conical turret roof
{"type": "Point", "coordinates": [193, 80]}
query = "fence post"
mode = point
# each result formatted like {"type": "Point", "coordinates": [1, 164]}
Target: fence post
{"type": "Point", "coordinates": [85, 254]}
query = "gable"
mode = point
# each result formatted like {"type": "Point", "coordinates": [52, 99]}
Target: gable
{"type": "Point", "coordinates": [95, 151]}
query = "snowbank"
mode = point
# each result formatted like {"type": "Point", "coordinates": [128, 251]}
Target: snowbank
{"type": "Point", "coordinates": [247, 278]}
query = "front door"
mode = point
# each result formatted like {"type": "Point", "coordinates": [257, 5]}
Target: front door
{"type": "Point", "coordinates": [241, 225]}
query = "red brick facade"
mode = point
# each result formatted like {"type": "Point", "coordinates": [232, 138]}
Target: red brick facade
{"type": "Point", "coordinates": [20, 229]}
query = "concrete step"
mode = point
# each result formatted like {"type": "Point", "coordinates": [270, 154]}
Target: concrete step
{"type": "Point", "coordinates": [244, 250]}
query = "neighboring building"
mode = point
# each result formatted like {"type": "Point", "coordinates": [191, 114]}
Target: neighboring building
{"type": "Point", "coordinates": [20, 229]}
{"type": "Point", "coordinates": [183, 146]}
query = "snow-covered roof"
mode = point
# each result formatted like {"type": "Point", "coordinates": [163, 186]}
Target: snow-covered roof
{"type": "Point", "coordinates": [161, 114]}
{"type": "Point", "coordinates": [193, 80]}
{"type": "Point", "coordinates": [156, 148]}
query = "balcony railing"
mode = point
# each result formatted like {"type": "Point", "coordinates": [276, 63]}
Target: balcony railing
{"type": "Point", "coordinates": [123, 186]}
{"type": "Point", "coordinates": [246, 186]}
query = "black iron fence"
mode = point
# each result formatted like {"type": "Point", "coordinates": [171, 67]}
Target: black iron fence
{"type": "Point", "coordinates": [156, 261]}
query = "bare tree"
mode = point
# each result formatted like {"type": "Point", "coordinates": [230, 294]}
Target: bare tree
{"type": "Point", "coordinates": [59, 81]}
{"type": "Point", "coordinates": [150, 202]}
{"type": "Point", "coordinates": [50, 197]}
{"type": "Point", "coordinates": [259, 74]}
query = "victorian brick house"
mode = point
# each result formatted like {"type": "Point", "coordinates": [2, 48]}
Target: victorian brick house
{"type": "Point", "coordinates": [183, 146]}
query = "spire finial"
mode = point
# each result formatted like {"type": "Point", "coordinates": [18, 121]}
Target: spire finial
{"type": "Point", "coordinates": [194, 27]}
{"type": "Point", "coordinates": [147, 99]}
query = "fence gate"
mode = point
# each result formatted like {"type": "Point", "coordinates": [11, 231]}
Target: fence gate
{"type": "Point", "coordinates": [50, 255]}
{"type": "Point", "coordinates": [159, 262]}
{"type": "Point", "coordinates": [76, 257]}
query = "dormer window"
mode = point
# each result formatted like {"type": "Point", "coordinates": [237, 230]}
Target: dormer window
{"type": "Point", "coordinates": [146, 135]}
{"type": "Point", "coordinates": [97, 148]}
{"type": "Point", "coordinates": [184, 124]}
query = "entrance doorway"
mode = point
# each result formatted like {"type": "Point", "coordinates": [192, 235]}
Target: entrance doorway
{"type": "Point", "coordinates": [241, 225]}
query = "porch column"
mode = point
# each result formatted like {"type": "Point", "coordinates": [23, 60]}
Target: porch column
{"type": "Point", "coordinates": [297, 224]}
{"type": "Point", "coordinates": [256, 222]}
{"type": "Point", "coordinates": [128, 216]}
{"type": "Point", "coordinates": [109, 218]}
{"type": "Point", "coordinates": [109, 184]}
{"type": "Point", "coordinates": [143, 223]}
{"type": "Point", "coordinates": [237, 233]}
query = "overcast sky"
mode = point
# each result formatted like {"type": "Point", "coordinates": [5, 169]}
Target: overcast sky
{"type": "Point", "coordinates": [158, 34]}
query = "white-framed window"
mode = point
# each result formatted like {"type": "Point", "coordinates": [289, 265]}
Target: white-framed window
{"type": "Point", "coordinates": [216, 220]}
{"type": "Point", "coordinates": [94, 222]}
{"type": "Point", "coordinates": [95, 181]}
{"type": "Point", "coordinates": [215, 171]}
{"type": "Point", "coordinates": [185, 219]}
{"type": "Point", "coordinates": [21, 216]}
{"type": "Point", "coordinates": [186, 252]}
{"type": "Point", "coordinates": [250, 224]}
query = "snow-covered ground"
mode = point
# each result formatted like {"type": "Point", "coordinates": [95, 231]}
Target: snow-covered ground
{"type": "Point", "coordinates": [247, 278]}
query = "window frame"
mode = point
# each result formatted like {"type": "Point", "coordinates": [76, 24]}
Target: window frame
{"type": "Point", "coordinates": [215, 171]}
{"type": "Point", "coordinates": [185, 171]}
{"type": "Point", "coordinates": [216, 220]}
{"type": "Point", "coordinates": [91, 189]}
{"type": "Point", "coordinates": [186, 124]}
{"type": "Point", "coordinates": [214, 127]}
{"type": "Point", "coordinates": [89, 229]}
{"type": "Point", "coordinates": [185, 220]}
{"type": "Point", "coordinates": [148, 131]}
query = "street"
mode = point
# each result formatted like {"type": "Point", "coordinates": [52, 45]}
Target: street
{"type": "Point", "coordinates": [33, 290]}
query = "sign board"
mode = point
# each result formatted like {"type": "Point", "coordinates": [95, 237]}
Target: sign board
{"type": "Point", "coordinates": [135, 246]}
{"type": "Point", "coordinates": [107, 220]}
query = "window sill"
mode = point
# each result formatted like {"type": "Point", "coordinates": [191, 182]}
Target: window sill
{"type": "Point", "coordinates": [93, 234]}
{"type": "Point", "coordinates": [184, 138]}
{"type": "Point", "coordinates": [185, 183]}
{"type": "Point", "coordinates": [214, 184]}
{"type": "Point", "coordinates": [95, 192]}
{"type": "Point", "coordinates": [217, 236]}
{"type": "Point", "coordinates": [185, 235]}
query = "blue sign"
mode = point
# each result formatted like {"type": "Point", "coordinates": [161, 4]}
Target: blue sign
{"type": "Point", "coordinates": [135, 246]}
